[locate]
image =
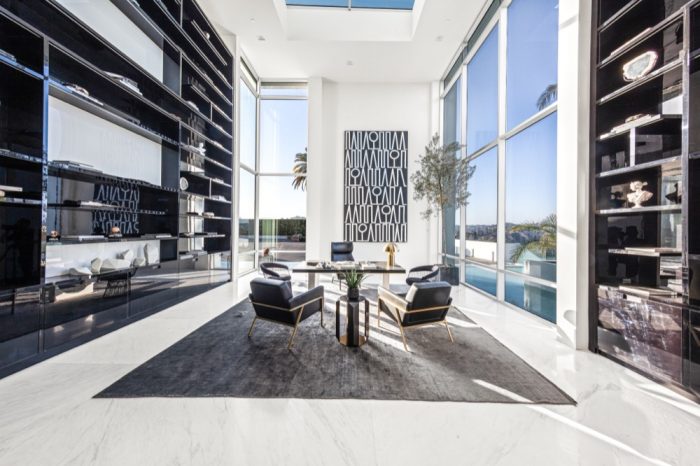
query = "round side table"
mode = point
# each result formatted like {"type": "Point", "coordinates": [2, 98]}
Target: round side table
{"type": "Point", "coordinates": [352, 336]}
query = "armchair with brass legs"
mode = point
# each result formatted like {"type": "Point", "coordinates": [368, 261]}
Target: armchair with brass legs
{"type": "Point", "coordinates": [424, 304]}
{"type": "Point", "coordinates": [274, 301]}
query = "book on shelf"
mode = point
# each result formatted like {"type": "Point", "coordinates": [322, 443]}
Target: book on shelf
{"type": "Point", "coordinates": [646, 292]}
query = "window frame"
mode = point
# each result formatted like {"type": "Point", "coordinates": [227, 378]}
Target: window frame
{"type": "Point", "coordinates": [500, 20]}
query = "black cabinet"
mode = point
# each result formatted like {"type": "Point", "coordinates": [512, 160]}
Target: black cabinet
{"type": "Point", "coordinates": [21, 312]}
{"type": "Point", "coordinates": [692, 379]}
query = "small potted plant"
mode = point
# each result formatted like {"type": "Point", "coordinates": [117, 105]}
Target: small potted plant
{"type": "Point", "coordinates": [354, 279]}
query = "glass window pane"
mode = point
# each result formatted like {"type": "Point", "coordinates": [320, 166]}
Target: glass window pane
{"type": "Point", "coordinates": [535, 298]}
{"type": "Point", "coordinates": [283, 134]}
{"type": "Point", "coordinates": [282, 219]}
{"type": "Point", "coordinates": [246, 207]}
{"type": "Point", "coordinates": [482, 209]}
{"type": "Point", "coordinates": [531, 200]}
{"type": "Point", "coordinates": [246, 263]}
{"type": "Point", "coordinates": [533, 28]}
{"type": "Point", "coordinates": [482, 94]}
{"type": "Point", "coordinates": [451, 133]}
{"type": "Point", "coordinates": [248, 122]}
{"type": "Point", "coordinates": [481, 278]}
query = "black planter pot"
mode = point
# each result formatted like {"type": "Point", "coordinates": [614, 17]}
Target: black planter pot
{"type": "Point", "coordinates": [449, 274]}
{"type": "Point", "coordinates": [353, 294]}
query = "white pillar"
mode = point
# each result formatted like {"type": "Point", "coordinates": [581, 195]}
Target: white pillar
{"type": "Point", "coordinates": [573, 171]}
{"type": "Point", "coordinates": [314, 175]}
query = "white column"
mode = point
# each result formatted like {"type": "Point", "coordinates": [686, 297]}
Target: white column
{"type": "Point", "coordinates": [314, 175]}
{"type": "Point", "coordinates": [573, 171]}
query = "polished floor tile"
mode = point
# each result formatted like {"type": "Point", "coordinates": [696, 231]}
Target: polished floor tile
{"type": "Point", "coordinates": [48, 415]}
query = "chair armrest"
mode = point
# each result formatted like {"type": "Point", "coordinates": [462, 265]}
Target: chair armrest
{"type": "Point", "coordinates": [394, 300]}
{"type": "Point", "coordinates": [305, 298]}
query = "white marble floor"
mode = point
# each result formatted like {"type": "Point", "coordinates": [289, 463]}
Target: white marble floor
{"type": "Point", "coordinates": [48, 416]}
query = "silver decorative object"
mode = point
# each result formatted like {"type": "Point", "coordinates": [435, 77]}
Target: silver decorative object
{"type": "Point", "coordinates": [639, 66]}
{"type": "Point", "coordinates": [184, 184]}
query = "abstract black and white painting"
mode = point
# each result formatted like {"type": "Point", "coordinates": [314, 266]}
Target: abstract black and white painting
{"type": "Point", "coordinates": [376, 186]}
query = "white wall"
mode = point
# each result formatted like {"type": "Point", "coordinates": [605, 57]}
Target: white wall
{"type": "Point", "coordinates": [573, 171]}
{"type": "Point", "coordinates": [335, 108]}
{"type": "Point", "coordinates": [104, 17]}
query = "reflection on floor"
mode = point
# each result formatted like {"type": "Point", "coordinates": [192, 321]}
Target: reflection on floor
{"type": "Point", "coordinates": [48, 415]}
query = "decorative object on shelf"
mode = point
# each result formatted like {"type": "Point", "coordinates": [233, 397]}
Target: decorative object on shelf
{"type": "Point", "coordinates": [82, 92]}
{"type": "Point", "coordinates": [127, 255]}
{"type": "Point", "coordinates": [110, 265]}
{"type": "Point", "coordinates": [638, 195]}
{"type": "Point", "coordinates": [11, 189]}
{"type": "Point", "coordinates": [80, 271]}
{"type": "Point", "coordinates": [639, 66]}
{"type": "Point", "coordinates": [219, 197]}
{"type": "Point", "coordinates": [130, 83]}
{"type": "Point", "coordinates": [96, 265]}
{"type": "Point", "coordinates": [152, 254]}
{"type": "Point", "coordinates": [617, 199]}
{"type": "Point", "coordinates": [675, 196]}
{"type": "Point", "coordinates": [390, 250]}
{"type": "Point", "coordinates": [353, 279]}
{"type": "Point", "coordinates": [192, 104]}
{"type": "Point", "coordinates": [54, 236]}
{"type": "Point", "coordinates": [184, 184]}
{"type": "Point", "coordinates": [208, 214]}
{"type": "Point", "coordinates": [115, 232]}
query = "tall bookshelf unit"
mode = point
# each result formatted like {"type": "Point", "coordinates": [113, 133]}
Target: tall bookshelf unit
{"type": "Point", "coordinates": [645, 274]}
{"type": "Point", "coordinates": [160, 169]}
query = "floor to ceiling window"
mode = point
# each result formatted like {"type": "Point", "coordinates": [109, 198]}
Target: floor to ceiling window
{"type": "Point", "coordinates": [510, 124]}
{"type": "Point", "coordinates": [272, 200]}
{"type": "Point", "coordinates": [452, 132]}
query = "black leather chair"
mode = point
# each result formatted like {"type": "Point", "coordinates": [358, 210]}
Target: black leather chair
{"type": "Point", "coordinates": [425, 303]}
{"type": "Point", "coordinates": [341, 251]}
{"type": "Point", "coordinates": [274, 301]}
{"type": "Point", "coordinates": [275, 271]}
{"type": "Point", "coordinates": [423, 273]}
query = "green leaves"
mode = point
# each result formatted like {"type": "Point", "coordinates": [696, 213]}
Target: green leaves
{"type": "Point", "coordinates": [353, 278]}
{"type": "Point", "coordinates": [442, 177]}
{"type": "Point", "coordinates": [546, 242]}
{"type": "Point", "coordinates": [300, 170]}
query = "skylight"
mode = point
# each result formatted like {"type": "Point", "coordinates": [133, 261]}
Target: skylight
{"type": "Point", "coordinates": [372, 4]}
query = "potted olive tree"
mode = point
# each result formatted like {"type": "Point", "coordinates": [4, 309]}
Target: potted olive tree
{"type": "Point", "coordinates": [441, 181]}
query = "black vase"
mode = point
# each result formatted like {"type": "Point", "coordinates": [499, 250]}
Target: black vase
{"type": "Point", "coordinates": [353, 294]}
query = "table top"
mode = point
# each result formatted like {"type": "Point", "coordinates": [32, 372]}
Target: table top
{"type": "Point", "coordinates": [335, 267]}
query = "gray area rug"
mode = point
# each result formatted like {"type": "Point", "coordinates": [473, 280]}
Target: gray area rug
{"type": "Point", "coordinates": [219, 360]}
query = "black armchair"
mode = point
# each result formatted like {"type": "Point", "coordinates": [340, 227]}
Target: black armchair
{"type": "Point", "coordinates": [341, 251]}
{"type": "Point", "coordinates": [275, 271]}
{"type": "Point", "coordinates": [274, 301]}
{"type": "Point", "coordinates": [423, 273]}
{"type": "Point", "coordinates": [425, 303]}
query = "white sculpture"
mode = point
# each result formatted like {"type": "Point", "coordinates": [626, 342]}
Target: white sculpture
{"type": "Point", "coordinates": [638, 195]}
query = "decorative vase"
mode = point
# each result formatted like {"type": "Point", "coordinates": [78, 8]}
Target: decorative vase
{"type": "Point", "coordinates": [390, 250]}
{"type": "Point", "coordinates": [353, 294]}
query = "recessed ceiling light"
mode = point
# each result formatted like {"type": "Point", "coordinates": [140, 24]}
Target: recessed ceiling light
{"type": "Point", "coordinates": [349, 63]}
{"type": "Point", "coordinates": [439, 38]}
{"type": "Point", "coordinates": [252, 20]}
{"type": "Point", "coordinates": [261, 38]}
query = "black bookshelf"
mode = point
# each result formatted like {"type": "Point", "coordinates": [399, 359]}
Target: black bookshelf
{"type": "Point", "coordinates": [46, 52]}
{"type": "Point", "coordinates": [645, 274]}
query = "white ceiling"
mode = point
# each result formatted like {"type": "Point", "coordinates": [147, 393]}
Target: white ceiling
{"type": "Point", "coordinates": [382, 46]}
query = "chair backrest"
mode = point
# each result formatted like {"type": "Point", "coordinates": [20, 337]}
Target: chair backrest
{"type": "Point", "coordinates": [342, 251]}
{"type": "Point", "coordinates": [424, 272]}
{"type": "Point", "coordinates": [271, 292]}
{"type": "Point", "coordinates": [429, 294]}
{"type": "Point", "coordinates": [274, 270]}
